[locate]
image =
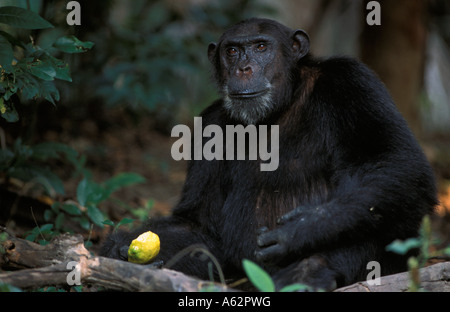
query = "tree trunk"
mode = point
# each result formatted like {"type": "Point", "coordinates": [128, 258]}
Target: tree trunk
{"type": "Point", "coordinates": [396, 51]}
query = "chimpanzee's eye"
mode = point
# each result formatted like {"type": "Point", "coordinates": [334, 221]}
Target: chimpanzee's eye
{"type": "Point", "coordinates": [261, 47]}
{"type": "Point", "coordinates": [232, 51]}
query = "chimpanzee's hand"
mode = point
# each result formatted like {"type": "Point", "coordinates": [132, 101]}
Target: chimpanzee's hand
{"type": "Point", "coordinates": [284, 240]}
{"type": "Point", "coordinates": [123, 252]}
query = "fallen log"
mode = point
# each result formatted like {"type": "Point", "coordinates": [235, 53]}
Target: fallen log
{"type": "Point", "coordinates": [65, 257]}
{"type": "Point", "coordinates": [434, 278]}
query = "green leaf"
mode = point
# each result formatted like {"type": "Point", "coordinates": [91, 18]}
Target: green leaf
{"type": "Point", "coordinates": [3, 237]}
{"type": "Point", "coordinates": [122, 180]}
{"type": "Point", "coordinates": [83, 192]}
{"type": "Point", "coordinates": [60, 68]}
{"type": "Point", "coordinates": [21, 18]}
{"type": "Point", "coordinates": [47, 178]}
{"type": "Point", "coordinates": [6, 55]}
{"type": "Point", "coordinates": [14, 41]}
{"type": "Point", "coordinates": [71, 44]}
{"type": "Point", "coordinates": [295, 287]}
{"type": "Point", "coordinates": [446, 251]}
{"type": "Point", "coordinates": [59, 221]}
{"type": "Point", "coordinates": [87, 245]}
{"type": "Point", "coordinates": [89, 192]}
{"type": "Point", "coordinates": [125, 221]}
{"type": "Point", "coordinates": [49, 91]}
{"type": "Point", "coordinates": [42, 70]}
{"type": "Point", "coordinates": [8, 112]}
{"type": "Point", "coordinates": [402, 247]}
{"type": "Point", "coordinates": [84, 222]}
{"type": "Point", "coordinates": [46, 228]}
{"type": "Point", "coordinates": [48, 214]}
{"type": "Point", "coordinates": [108, 222]}
{"type": "Point", "coordinates": [21, 150]}
{"type": "Point", "coordinates": [52, 150]}
{"type": "Point", "coordinates": [31, 237]}
{"type": "Point", "coordinates": [259, 278]}
{"type": "Point", "coordinates": [71, 209]}
{"type": "Point", "coordinates": [8, 288]}
{"type": "Point", "coordinates": [95, 215]}
{"type": "Point", "coordinates": [43, 242]}
{"type": "Point", "coordinates": [27, 83]}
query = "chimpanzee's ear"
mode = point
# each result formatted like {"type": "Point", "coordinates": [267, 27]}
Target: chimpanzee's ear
{"type": "Point", "coordinates": [212, 51]}
{"type": "Point", "coordinates": [300, 43]}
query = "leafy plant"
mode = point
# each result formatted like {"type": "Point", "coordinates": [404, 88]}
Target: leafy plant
{"type": "Point", "coordinates": [423, 243]}
{"type": "Point", "coordinates": [259, 278]}
{"type": "Point", "coordinates": [26, 69]}
{"type": "Point", "coordinates": [162, 64]}
{"type": "Point", "coordinates": [85, 210]}
{"type": "Point", "coordinates": [89, 196]}
{"type": "Point", "coordinates": [44, 232]}
{"type": "Point", "coordinates": [8, 288]}
{"type": "Point", "coordinates": [28, 73]}
{"type": "Point", "coordinates": [143, 212]}
{"type": "Point", "coordinates": [124, 221]}
{"type": "Point", "coordinates": [264, 282]}
{"type": "Point", "coordinates": [30, 164]}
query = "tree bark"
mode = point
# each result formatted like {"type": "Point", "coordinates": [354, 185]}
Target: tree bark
{"type": "Point", "coordinates": [49, 266]}
{"type": "Point", "coordinates": [396, 51]}
{"type": "Point", "coordinates": [434, 278]}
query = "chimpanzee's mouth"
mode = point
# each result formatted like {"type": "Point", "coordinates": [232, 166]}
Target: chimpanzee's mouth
{"type": "Point", "coordinates": [248, 94]}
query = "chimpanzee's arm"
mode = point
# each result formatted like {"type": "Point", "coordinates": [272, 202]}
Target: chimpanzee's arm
{"type": "Point", "coordinates": [383, 184]}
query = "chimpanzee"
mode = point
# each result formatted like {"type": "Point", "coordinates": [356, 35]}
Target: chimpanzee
{"type": "Point", "coordinates": [351, 176]}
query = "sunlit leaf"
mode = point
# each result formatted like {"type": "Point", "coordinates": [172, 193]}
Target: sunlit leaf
{"type": "Point", "coordinates": [402, 247]}
{"type": "Point", "coordinates": [295, 287]}
{"type": "Point", "coordinates": [259, 278]}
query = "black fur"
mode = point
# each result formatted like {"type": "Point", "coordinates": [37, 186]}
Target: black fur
{"type": "Point", "coordinates": [351, 179]}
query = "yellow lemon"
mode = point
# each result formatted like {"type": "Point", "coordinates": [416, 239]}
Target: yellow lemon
{"type": "Point", "coordinates": [144, 248]}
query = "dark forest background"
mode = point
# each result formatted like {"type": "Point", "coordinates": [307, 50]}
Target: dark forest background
{"type": "Point", "coordinates": [100, 156]}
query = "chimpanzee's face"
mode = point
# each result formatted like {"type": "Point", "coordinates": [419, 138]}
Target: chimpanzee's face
{"type": "Point", "coordinates": [253, 68]}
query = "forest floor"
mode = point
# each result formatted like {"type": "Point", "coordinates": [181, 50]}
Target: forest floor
{"type": "Point", "coordinates": [121, 143]}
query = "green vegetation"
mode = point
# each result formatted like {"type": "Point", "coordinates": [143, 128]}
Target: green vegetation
{"type": "Point", "coordinates": [425, 245]}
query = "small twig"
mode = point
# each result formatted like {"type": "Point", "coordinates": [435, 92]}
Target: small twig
{"type": "Point", "coordinates": [37, 225]}
{"type": "Point", "coordinates": [440, 258]}
{"type": "Point", "coordinates": [238, 282]}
